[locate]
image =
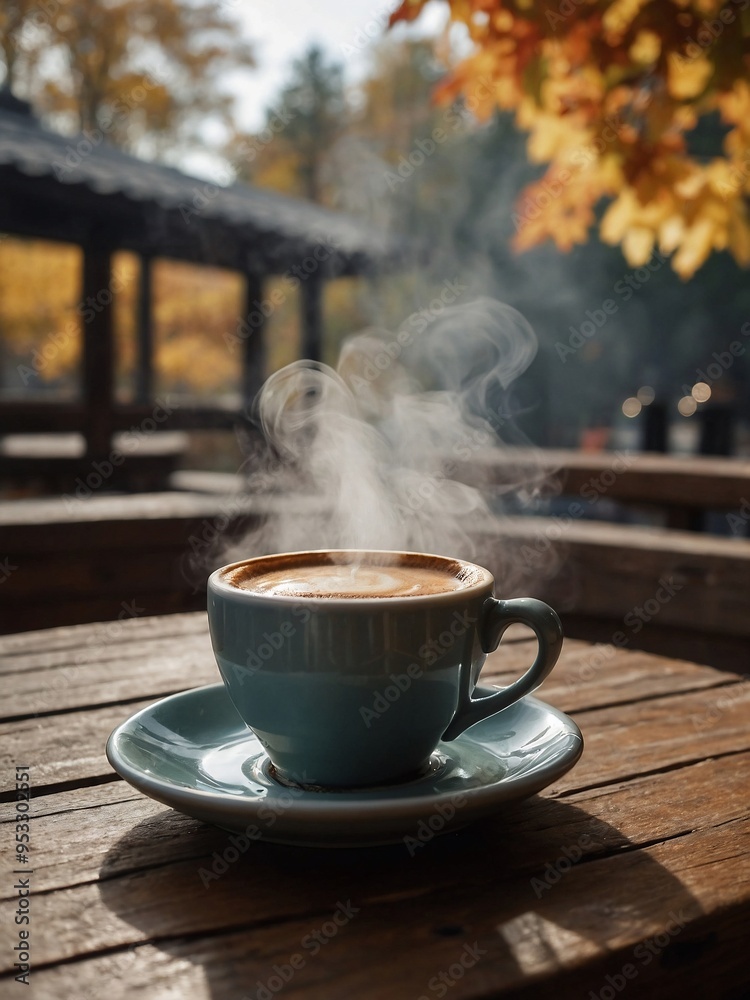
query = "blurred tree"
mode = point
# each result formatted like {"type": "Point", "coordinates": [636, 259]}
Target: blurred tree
{"type": "Point", "coordinates": [396, 98]}
{"type": "Point", "coordinates": [145, 73]}
{"type": "Point", "coordinates": [609, 93]}
{"type": "Point", "coordinates": [13, 15]}
{"type": "Point", "coordinates": [290, 152]}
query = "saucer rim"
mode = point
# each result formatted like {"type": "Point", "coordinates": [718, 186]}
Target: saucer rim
{"type": "Point", "coordinates": [310, 807]}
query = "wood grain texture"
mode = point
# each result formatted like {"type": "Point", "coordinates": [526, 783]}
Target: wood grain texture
{"type": "Point", "coordinates": [634, 866]}
{"type": "Point", "coordinates": [697, 481]}
{"type": "Point", "coordinates": [698, 583]}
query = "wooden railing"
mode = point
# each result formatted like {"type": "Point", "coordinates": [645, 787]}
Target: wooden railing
{"type": "Point", "coordinates": [681, 488]}
{"type": "Point", "coordinates": [69, 561]}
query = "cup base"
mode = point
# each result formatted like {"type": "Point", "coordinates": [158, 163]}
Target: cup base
{"type": "Point", "coordinates": [431, 768]}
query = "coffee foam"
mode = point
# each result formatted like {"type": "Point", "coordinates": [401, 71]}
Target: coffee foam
{"type": "Point", "coordinates": [349, 580]}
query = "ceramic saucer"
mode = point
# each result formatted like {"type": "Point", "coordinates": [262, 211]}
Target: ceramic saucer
{"type": "Point", "coordinates": [192, 751]}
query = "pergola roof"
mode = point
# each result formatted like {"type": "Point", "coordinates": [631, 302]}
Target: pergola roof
{"type": "Point", "coordinates": [158, 209]}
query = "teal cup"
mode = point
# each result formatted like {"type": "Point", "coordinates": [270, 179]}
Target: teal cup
{"type": "Point", "coordinates": [352, 691]}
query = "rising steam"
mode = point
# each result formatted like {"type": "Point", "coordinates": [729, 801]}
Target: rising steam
{"type": "Point", "coordinates": [378, 447]}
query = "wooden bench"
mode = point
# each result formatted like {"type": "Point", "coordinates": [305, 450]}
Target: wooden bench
{"type": "Point", "coordinates": [57, 463]}
{"type": "Point", "coordinates": [663, 590]}
{"type": "Point", "coordinates": [673, 592]}
{"type": "Point", "coordinates": [681, 488]}
{"type": "Point", "coordinates": [71, 561]}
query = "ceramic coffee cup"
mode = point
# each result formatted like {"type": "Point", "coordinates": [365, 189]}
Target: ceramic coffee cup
{"type": "Point", "coordinates": [350, 667]}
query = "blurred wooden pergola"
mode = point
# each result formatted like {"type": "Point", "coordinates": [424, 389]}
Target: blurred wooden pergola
{"type": "Point", "coordinates": [82, 190]}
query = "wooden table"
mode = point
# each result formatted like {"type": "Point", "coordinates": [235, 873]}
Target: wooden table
{"type": "Point", "coordinates": [630, 876]}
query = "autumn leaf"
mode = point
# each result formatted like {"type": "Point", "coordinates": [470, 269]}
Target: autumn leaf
{"type": "Point", "coordinates": [610, 92]}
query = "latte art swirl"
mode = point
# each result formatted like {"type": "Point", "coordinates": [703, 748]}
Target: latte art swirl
{"type": "Point", "coordinates": [329, 580]}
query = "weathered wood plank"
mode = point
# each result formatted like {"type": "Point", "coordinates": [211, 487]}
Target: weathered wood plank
{"type": "Point", "coordinates": [631, 574]}
{"type": "Point", "coordinates": [700, 481]}
{"type": "Point", "coordinates": [55, 612]}
{"type": "Point", "coordinates": [46, 648]}
{"type": "Point", "coordinates": [594, 921]}
{"type": "Point", "coordinates": [147, 569]}
{"type": "Point", "coordinates": [664, 728]}
{"type": "Point", "coordinates": [97, 681]}
{"type": "Point", "coordinates": [102, 666]}
{"type": "Point", "coordinates": [32, 515]}
{"type": "Point", "coordinates": [111, 831]}
{"type": "Point", "coordinates": [646, 834]}
{"type": "Point", "coordinates": [21, 648]}
{"type": "Point", "coordinates": [76, 802]}
{"type": "Point", "coordinates": [72, 446]}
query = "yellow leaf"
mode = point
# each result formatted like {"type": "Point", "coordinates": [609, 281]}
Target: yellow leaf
{"type": "Point", "coordinates": [618, 217]}
{"type": "Point", "coordinates": [694, 249]}
{"type": "Point", "coordinates": [637, 245]}
{"type": "Point", "coordinates": [619, 15]}
{"type": "Point", "coordinates": [739, 240]}
{"type": "Point", "coordinates": [646, 48]}
{"type": "Point", "coordinates": [670, 233]}
{"type": "Point", "coordinates": [687, 77]}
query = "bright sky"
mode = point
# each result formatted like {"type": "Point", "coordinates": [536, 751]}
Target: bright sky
{"type": "Point", "coordinates": [281, 30]}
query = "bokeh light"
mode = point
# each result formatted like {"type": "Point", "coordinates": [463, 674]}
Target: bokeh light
{"type": "Point", "coordinates": [687, 406]}
{"type": "Point", "coordinates": [701, 392]}
{"type": "Point", "coordinates": [645, 395]}
{"type": "Point", "coordinates": [631, 407]}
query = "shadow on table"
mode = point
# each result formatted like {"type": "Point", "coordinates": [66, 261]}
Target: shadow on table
{"type": "Point", "coordinates": [542, 886]}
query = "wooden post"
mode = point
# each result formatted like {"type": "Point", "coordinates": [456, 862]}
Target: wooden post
{"type": "Point", "coordinates": [252, 334]}
{"type": "Point", "coordinates": [311, 292]}
{"type": "Point", "coordinates": [655, 428]}
{"type": "Point", "coordinates": [98, 350]}
{"type": "Point", "coordinates": [144, 373]}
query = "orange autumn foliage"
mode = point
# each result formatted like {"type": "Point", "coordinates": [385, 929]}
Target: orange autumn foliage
{"type": "Point", "coordinates": [609, 93]}
{"type": "Point", "coordinates": [40, 324]}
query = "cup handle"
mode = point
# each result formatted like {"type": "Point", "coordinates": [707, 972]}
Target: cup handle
{"type": "Point", "coordinates": [495, 619]}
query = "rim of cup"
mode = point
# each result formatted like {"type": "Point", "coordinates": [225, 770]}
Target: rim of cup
{"type": "Point", "coordinates": [483, 578]}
